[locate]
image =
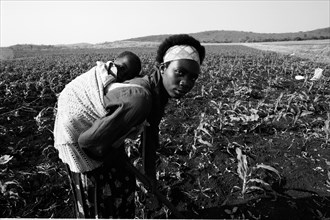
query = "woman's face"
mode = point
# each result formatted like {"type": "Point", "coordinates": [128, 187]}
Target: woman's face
{"type": "Point", "coordinates": [180, 76]}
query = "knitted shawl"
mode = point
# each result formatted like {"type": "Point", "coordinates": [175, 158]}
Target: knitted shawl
{"type": "Point", "coordinates": [79, 105]}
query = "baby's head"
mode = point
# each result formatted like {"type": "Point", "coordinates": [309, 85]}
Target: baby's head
{"type": "Point", "coordinates": [128, 66]}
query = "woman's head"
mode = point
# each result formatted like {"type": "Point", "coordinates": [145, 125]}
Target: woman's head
{"type": "Point", "coordinates": [179, 58]}
{"type": "Point", "coordinates": [180, 39]}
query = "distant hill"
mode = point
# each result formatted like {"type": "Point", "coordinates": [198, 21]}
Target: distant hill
{"type": "Point", "coordinates": [105, 45]}
{"type": "Point", "coordinates": [75, 46]}
{"type": "Point", "coordinates": [23, 50]}
{"type": "Point", "coordinates": [32, 47]}
{"type": "Point", "coordinates": [241, 36]}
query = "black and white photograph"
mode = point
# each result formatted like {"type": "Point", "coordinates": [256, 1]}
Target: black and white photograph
{"type": "Point", "coordinates": [165, 109]}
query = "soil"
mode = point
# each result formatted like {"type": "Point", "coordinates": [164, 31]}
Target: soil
{"type": "Point", "coordinates": [197, 162]}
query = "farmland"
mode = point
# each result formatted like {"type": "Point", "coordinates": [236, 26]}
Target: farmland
{"type": "Point", "coordinates": [315, 50]}
{"type": "Point", "coordinates": [249, 141]}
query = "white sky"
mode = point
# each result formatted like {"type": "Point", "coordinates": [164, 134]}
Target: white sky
{"type": "Point", "coordinates": [66, 22]}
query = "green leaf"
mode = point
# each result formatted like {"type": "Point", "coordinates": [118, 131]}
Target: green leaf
{"type": "Point", "coordinates": [5, 159]}
{"type": "Point", "coordinates": [234, 209]}
{"type": "Point", "coordinates": [242, 164]}
{"type": "Point", "coordinates": [267, 167]}
{"type": "Point", "coordinates": [304, 113]}
{"type": "Point", "coordinates": [258, 181]}
{"type": "Point", "coordinates": [205, 142]}
{"type": "Point", "coordinates": [250, 188]}
{"type": "Point", "coordinates": [228, 211]}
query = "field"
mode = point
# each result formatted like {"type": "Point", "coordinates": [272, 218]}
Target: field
{"type": "Point", "coordinates": [249, 141]}
{"type": "Point", "coordinates": [315, 50]}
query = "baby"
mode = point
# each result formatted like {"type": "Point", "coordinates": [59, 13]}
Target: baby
{"type": "Point", "coordinates": [82, 102]}
{"type": "Point", "coordinates": [126, 66]}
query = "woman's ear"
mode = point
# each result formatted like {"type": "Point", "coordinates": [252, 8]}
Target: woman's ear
{"type": "Point", "coordinates": [162, 67]}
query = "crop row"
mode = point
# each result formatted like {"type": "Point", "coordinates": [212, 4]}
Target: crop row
{"type": "Point", "coordinates": [242, 96]}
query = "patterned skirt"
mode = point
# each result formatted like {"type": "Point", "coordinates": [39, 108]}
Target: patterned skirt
{"type": "Point", "coordinates": [106, 192]}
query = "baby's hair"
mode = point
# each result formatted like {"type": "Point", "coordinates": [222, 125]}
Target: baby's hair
{"type": "Point", "coordinates": [133, 57]}
{"type": "Point", "coordinates": [179, 39]}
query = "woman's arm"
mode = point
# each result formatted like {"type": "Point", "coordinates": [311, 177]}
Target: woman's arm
{"type": "Point", "coordinates": [127, 107]}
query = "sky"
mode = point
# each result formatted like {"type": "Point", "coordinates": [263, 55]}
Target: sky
{"type": "Point", "coordinates": [67, 22]}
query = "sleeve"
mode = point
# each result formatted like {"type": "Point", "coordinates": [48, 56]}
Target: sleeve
{"type": "Point", "coordinates": [125, 111]}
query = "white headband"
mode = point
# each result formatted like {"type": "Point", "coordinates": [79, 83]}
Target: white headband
{"type": "Point", "coordinates": [179, 52]}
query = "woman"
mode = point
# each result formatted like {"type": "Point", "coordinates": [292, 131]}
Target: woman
{"type": "Point", "coordinates": [108, 191]}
